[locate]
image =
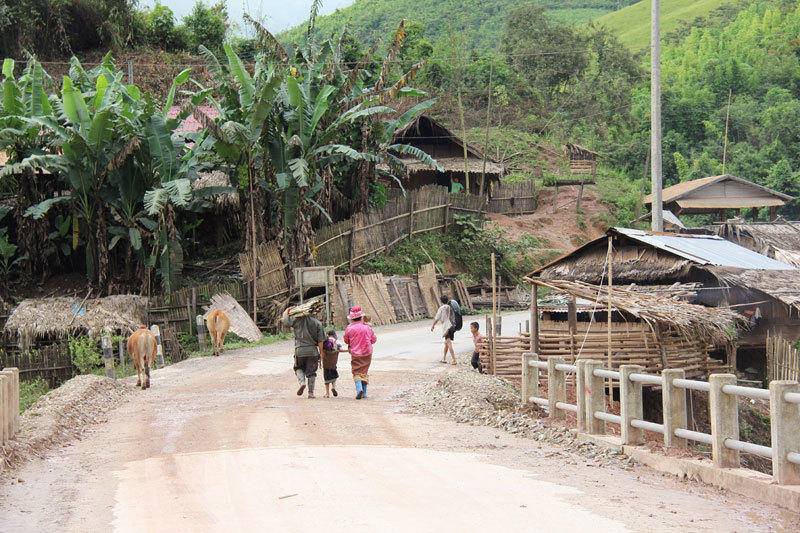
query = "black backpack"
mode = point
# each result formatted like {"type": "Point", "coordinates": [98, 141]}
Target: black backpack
{"type": "Point", "coordinates": [458, 321]}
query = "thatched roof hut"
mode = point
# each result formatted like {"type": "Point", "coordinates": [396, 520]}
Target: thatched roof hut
{"type": "Point", "coordinates": [779, 240]}
{"type": "Point", "coordinates": [447, 149]}
{"type": "Point", "coordinates": [213, 180]}
{"type": "Point", "coordinates": [48, 318]}
{"type": "Point", "coordinates": [649, 258]}
{"type": "Point", "coordinates": [581, 160]}
{"type": "Point", "coordinates": [717, 324]}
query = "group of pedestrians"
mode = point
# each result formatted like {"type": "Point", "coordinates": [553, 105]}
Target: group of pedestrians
{"type": "Point", "coordinates": [312, 347]}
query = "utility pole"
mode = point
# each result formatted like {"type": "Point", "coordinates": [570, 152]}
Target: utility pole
{"type": "Point", "coordinates": [657, 217]}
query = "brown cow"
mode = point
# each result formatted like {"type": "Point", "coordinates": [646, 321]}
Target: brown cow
{"type": "Point", "coordinates": [217, 323]}
{"type": "Point", "coordinates": [142, 349]}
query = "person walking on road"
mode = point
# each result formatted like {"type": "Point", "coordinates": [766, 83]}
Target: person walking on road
{"type": "Point", "coordinates": [309, 336]}
{"type": "Point", "coordinates": [359, 338]}
{"type": "Point", "coordinates": [446, 317]}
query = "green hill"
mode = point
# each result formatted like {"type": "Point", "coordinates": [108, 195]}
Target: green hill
{"type": "Point", "coordinates": [483, 21]}
{"type": "Point", "coordinates": [632, 24]}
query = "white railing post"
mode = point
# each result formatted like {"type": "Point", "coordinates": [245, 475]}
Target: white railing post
{"type": "Point", "coordinates": [595, 398]}
{"type": "Point", "coordinates": [108, 356]}
{"type": "Point", "coordinates": [556, 386]}
{"type": "Point", "coordinates": [159, 348]}
{"type": "Point", "coordinates": [673, 406]}
{"type": "Point", "coordinates": [723, 410]}
{"type": "Point", "coordinates": [580, 393]}
{"type": "Point", "coordinates": [201, 332]}
{"type": "Point", "coordinates": [785, 426]}
{"type": "Point", "coordinates": [5, 407]}
{"type": "Point", "coordinates": [630, 404]}
{"type": "Point", "coordinates": [530, 377]}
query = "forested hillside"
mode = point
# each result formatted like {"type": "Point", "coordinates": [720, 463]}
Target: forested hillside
{"type": "Point", "coordinates": [482, 23]}
{"type": "Point", "coordinates": [632, 24]}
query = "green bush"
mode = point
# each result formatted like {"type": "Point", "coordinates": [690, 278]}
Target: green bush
{"type": "Point", "coordinates": [85, 355]}
{"type": "Point", "coordinates": [30, 391]}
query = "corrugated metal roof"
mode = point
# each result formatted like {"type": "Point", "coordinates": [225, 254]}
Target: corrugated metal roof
{"type": "Point", "coordinates": [706, 250]}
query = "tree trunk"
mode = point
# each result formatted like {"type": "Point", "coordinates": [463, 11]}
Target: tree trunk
{"type": "Point", "coordinates": [365, 170]}
{"type": "Point", "coordinates": [102, 249]}
{"type": "Point", "coordinates": [31, 234]}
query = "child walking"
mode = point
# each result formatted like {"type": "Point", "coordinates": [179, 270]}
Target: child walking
{"type": "Point", "coordinates": [476, 339]}
{"type": "Point", "coordinates": [330, 357]}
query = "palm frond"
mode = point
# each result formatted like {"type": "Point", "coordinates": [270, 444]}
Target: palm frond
{"type": "Point", "coordinates": [391, 55]}
{"type": "Point", "coordinates": [205, 121]}
{"type": "Point", "coordinates": [268, 41]}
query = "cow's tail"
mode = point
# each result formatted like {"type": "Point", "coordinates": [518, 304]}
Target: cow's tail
{"type": "Point", "coordinates": [213, 318]}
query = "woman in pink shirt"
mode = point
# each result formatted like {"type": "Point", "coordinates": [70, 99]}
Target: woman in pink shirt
{"type": "Point", "coordinates": [359, 337]}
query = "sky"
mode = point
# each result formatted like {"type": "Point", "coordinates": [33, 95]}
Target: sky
{"type": "Point", "coordinates": [276, 15]}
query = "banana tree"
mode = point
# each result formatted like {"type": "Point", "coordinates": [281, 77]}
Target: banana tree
{"type": "Point", "coordinates": [20, 99]}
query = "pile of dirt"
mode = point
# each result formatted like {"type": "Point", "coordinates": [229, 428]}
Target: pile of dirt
{"type": "Point", "coordinates": [60, 416]}
{"type": "Point", "coordinates": [483, 400]}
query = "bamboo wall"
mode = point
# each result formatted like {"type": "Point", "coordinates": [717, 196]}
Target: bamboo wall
{"type": "Point", "coordinates": [632, 343]}
{"type": "Point", "coordinates": [783, 359]}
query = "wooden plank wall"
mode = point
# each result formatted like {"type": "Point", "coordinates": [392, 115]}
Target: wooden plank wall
{"type": "Point", "coordinates": [514, 198]}
{"type": "Point", "coordinates": [51, 363]}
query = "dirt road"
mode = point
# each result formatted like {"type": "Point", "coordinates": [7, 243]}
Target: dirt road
{"type": "Point", "coordinates": [223, 444]}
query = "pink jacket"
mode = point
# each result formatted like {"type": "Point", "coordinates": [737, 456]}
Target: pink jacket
{"type": "Point", "coordinates": [359, 338]}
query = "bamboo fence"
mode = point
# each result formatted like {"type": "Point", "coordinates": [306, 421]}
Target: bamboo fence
{"type": "Point", "coordinates": [783, 359]}
{"type": "Point", "coordinates": [51, 363]}
{"type": "Point", "coordinates": [632, 343]}
{"type": "Point", "coordinates": [430, 208]}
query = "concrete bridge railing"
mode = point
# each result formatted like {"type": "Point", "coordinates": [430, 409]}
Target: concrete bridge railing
{"type": "Point", "coordinates": [9, 404]}
{"type": "Point", "coordinates": [590, 407]}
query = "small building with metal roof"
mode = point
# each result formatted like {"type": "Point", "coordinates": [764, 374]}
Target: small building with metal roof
{"type": "Point", "coordinates": [716, 194]}
{"type": "Point", "coordinates": [763, 289]}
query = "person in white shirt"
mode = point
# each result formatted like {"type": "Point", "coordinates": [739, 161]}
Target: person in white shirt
{"type": "Point", "coordinates": [445, 316]}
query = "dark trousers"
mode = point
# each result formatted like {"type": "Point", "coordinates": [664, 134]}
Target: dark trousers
{"type": "Point", "coordinates": [476, 362]}
{"type": "Point", "coordinates": [308, 364]}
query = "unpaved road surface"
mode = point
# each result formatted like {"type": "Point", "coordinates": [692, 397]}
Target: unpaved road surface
{"type": "Point", "coordinates": [224, 444]}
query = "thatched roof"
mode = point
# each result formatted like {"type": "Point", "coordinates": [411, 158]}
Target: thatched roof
{"type": "Point", "coordinates": [646, 257]}
{"type": "Point", "coordinates": [53, 317]}
{"type": "Point", "coordinates": [575, 151]}
{"type": "Point", "coordinates": [217, 178]}
{"type": "Point", "coordinates": [424, 131]}
{"type": "Point", "coordinates": [782, 285]}
{"type": "Point", "coordinates": [779, 240]}
{"type": "Point", "coordinates": [715, 323]}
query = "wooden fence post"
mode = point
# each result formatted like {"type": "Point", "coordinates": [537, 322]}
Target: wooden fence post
{"type": "Point", "coordinates": [108, 356]}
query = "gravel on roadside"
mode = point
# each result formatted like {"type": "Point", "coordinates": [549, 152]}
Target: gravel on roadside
{"type": "Point", "coordinates": [60, 416]}
{"type": "Point", "coordinates": [484, 400]}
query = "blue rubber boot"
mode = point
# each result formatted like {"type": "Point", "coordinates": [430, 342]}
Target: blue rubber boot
{"type": "Point", "coordinates": [365, 391]}
{"type": "Point", "coordinates": [359, 390]}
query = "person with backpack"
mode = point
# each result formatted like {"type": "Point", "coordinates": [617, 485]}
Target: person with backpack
{"type": "Point", "coordinates": [449, 315]}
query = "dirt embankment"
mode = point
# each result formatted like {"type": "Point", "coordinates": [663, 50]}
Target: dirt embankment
{"type": "Point", "coordinates": [61, 416]}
